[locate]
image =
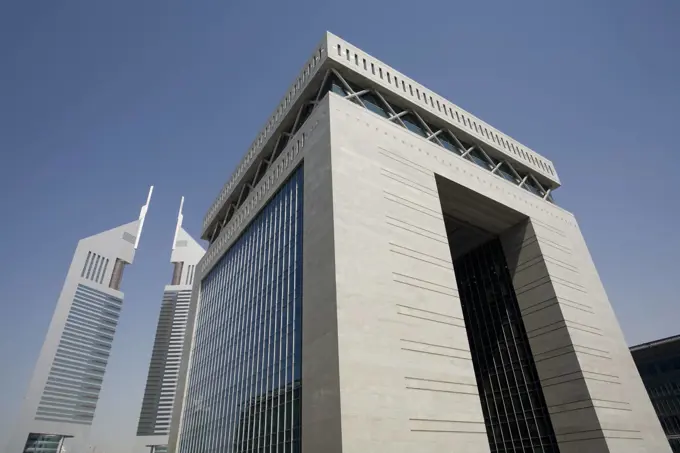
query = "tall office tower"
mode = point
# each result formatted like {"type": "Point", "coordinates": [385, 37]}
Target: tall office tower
{"type": "Point", "coordinates": [63, 392]}
{"type": "Point", "coordinates": [659, 365]}
{"type": "Point", "coordinates": [389, 273]}
{"type": "Point", "coordinates": [159, 395]}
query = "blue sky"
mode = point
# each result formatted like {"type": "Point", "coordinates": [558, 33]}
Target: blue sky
{"type": "Point", "coordinates": [98, 100]}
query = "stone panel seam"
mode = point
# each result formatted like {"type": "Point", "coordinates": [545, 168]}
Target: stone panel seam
{"type": "Point", "coordinates": [436, 354]}
{"type": "Point", "coordinates": [555, 303]}
{"type": "Point", "coordinates": [580, 378]}
{"type": "Point", "coordinates": [390, 221]}
{"type": "Point", "coordinates": [407, 182]}
{"type": "Point", "coordinates": [412, 205]}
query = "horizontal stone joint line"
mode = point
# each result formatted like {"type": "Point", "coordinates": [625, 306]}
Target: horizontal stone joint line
{"type": "Point", "coordinates": [406, 200]}
{"type": "Point", "coordinates": [538, 241]}
{"type": "Point", "coordinates": [559, 304]}
{"type": "Point", "coordinates": [561, 263]}
{"type": "Point", "coordinates": [400, 203]}
{"type": "Point", "coordinates": [528, 264]}
{"type": "Point", "coordinates": [418, 227]}
{"type": "Point", "coordinates": [531, 337]}
{"type": "Point", "coordinates": [569, 284]}
{"type": "Point", "coordinates": [588, 400]}
{"type": "Point", "coordinates": [579, 378]}
{"type": "Point", "coordinates": [411, 184]}
{"type": "Point", "coordinates": [415, 188]}
{"type": "Point", "coordinates": [424, 281]}
{"type": "Point", "coordinates": [433, 420]}
{"type": "Point", "coordinates": [555, 303]}
{"type": "Point", "coordinates": [543, 279]}
{"type": "Point", "coordinates": [544, 240]}
{"type": "Point", "coordinates": [543, 359]}
{"type": "Point", "coordinates": [565, 321]}
{"type": "Point", "coordinates": [597, 431]}
{"type": "Point", "coordinates": [446, 431]}
{"type": "Point", "coordinates": [419, 234]}
{"type": "Point", "coordinates": [593, 349]}
{"type": "Point", "coordinates": [560, 375]}
{"type": "Point", "coordinates": [564, 299]}
{"type": "Point", "coordinates": [548, 227]}
{"type": "Point", "coordinates": [436, 353]}
{"type": "Point", "coordinates": [431, 312]}
{"type": "Point", "coordinates": [443, 260]}
{"type": "Point", "coordinates": [590, 406]}
{"type": "Point", "coordinates": [448, 268]}
{"type": "Point", "coordinates": [385, 171]}
{"type": "Point", "coordinates": [404, 161]}
{"type": "Point", "coordinates": [524, 289]}
{"type": "Point", "coordinates": [433, 320]}
{"type": "Point", "coordinates": [543, 258]}
{"type": "Point", "coordinates": [570, 345]}
{"type": "Point", "coordinates": [538, 303]}
{"type": "Point", "coordinates": [597, 438]}
{"type": "Point", "coordinates": [426, 289]}
{"type": "Point", "coordinates": [435, 345]}
{"type": "Point", "coordinates": [441, 391]}
{"type": "Point", "coordinates": [439, 381]}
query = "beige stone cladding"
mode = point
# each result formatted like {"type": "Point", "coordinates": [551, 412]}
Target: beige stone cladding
{"type": "Point", "coordinates": [406, 378]}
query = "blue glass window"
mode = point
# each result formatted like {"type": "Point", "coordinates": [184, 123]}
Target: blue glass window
{"type": "Point", "coordinates": [244, 380]}
{"type": "Point", "coordinates": [532, 187]}
{"type": "Point", "coordinates": [375, 105]}
{"type": "Point", "coordinates": [506, 173]}
{"type": "Point", "coordinates": [449, 143]}
{"type": "Point", "coordinates": [413, 124]}
{"type": "Point", "coordinates": [333, 84]}
{"type": "Point", "coordinates": [477, 157]}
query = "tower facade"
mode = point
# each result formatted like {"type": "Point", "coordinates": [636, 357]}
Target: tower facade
{"type": "Point", "coordinates": [64, 389]}
{"type": "Point", "coordinates": [389, 273]}
{"type": "Point", "coordinates": [159, 393]}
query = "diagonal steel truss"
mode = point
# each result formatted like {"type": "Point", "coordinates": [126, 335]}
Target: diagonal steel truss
{"type": "Point", "coordinates": [473, 153]}
{"type": "Point", "coordinates": [528, 181]}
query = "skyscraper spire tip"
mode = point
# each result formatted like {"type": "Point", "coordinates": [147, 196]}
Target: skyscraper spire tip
{"type": "Point", "coordinates": [180, 217]}
{"type": "Point", "coordinates": [142, 216]}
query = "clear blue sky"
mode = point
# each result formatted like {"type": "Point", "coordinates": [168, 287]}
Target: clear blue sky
{"type": "Point", "coordinates": [98, 100]}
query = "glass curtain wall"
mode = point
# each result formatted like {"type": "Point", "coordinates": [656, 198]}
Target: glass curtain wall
{"type": "Point", "coordinates": [243, 391]}
{"type": "Point", "coordinates": [514, 408]}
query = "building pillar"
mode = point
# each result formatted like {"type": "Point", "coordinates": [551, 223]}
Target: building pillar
{"type": "Point", "coordinates": [592, 399]}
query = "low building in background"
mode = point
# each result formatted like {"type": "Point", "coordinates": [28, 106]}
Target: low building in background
{"type": "Point", "coordinates": [159, 394]}
{"type": "Point", "coordinates": [659, 365]}
{"type": "Point", "coordinates": [64, 389]}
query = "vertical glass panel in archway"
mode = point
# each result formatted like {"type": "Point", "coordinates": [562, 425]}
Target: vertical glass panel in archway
{"type": "Point", "coordinates": [375, 105]}
{"type": "Point", "coordinates": [449, 143]}
{"type": "Point", "coordinates": [413, 124]}
{"type": "Point", "coordinates": [477, 157]}
{"type": "Point", "coordinates": [507, 173]}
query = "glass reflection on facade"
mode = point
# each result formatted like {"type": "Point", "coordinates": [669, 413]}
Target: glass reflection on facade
{"type": "Point", "coordinates": [515, 412]}
{"type": "Point", "coordinates": [244, 383]}
{"type": "Point", "coordinates": [44, 443]}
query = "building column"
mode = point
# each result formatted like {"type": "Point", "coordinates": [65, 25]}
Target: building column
{"type": "Point", "coordinates": [586, 379]}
